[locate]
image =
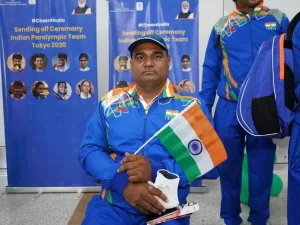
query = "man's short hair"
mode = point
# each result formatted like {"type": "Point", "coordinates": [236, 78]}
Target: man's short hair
{"type": "Point", "coordinates": [123, 57]}
{"type": "Point", "coordinates": [17, 84]}
{"type": "Point", "coordinates": [17, 56]}
{"type": "Point", "coordinates": [62, 82]}
{"type": "Point", "coordinates": [185, 57]}
{"type": "Point", "coordinates": [84, 55]}
{"type": "Point", "coordinates": [38, 55]}
{"type": "Point", "coordinates": [62, 56]}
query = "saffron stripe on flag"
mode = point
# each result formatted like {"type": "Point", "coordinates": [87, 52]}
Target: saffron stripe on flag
{"type": "Point", "coordinates": [206, 134]}
{"type": "Point", "coordinates": [176, 148]}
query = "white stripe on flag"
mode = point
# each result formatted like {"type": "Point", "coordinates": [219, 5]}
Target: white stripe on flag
{"type": "Point", "coordinates": [186, 133]}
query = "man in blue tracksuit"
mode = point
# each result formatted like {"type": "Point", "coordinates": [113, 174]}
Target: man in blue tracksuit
{"type": "Point", "coordinates": [232, 47]}
{"type": "Point", "coordinates": [124, 120]}
{"type": "Point", "coordinates": [294, 148]}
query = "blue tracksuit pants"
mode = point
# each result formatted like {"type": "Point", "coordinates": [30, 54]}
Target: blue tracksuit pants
{"type": "Point", "coordinates": [261, 155]}
{"type": "Point", "coordinates": [100, 212]}
{"type": "Point", "coordinates": [294, 176]}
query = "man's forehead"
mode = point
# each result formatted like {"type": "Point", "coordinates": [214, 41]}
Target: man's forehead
{"type": "Point", "coordinates": [148, 47]}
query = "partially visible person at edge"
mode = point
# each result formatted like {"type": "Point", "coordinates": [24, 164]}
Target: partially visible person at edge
{"type": "Point", "coordinates": [231, 50]}
{"type": "Point", "coordinates": [294, 153]}
{"type": "Point", "coordinates": [125, 119]}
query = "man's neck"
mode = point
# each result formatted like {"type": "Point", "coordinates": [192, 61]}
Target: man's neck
{"type": "Point", "coordinates": [149, 93]}
{"type": "Point", "coordinates": [39, 70]}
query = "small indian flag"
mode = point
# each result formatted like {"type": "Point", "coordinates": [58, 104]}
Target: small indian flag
{"type": "Point", "coordinates": [270, 25]}
{"type": "Point", "coordinates": [192, 141]}
{"type": "Point", "coordinates": [170, 114]}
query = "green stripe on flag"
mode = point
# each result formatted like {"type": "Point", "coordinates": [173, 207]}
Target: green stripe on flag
{"type": "Point", "coordinates": [181, 154]}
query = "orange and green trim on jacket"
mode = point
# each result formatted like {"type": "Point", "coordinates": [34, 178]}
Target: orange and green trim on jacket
{"type": "Point", "coordinates": [106, 195]}
{"type": "Point", "coordinates": [122, 98]}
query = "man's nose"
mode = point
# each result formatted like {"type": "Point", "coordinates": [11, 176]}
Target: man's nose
{"type": "Point", "coordinates": [148, 61]}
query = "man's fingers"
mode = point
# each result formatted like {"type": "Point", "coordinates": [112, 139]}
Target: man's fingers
{"type": "Point", "coordinates": [142, 210]}
{"type": "Point", "coordinates": [128, 166]}
{"type": "Point", "coordinates": [129, 158]}
{"type": "Point", "coordinates": [154, 202]}
{"type": "Point", "coordinates": [149, 207]}
{"type": "Point", "coordinates": [155, 191]}
{"type": "Point", "coordinates": [135, 179]}
{"type": "Point", "coordinates": [133, 172]}
{"type": "Point", "coordinates": [121, 169]}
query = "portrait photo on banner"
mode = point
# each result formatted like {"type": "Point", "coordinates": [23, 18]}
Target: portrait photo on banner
{"type": "Point", "coordinates": [85, 89]}
{"type": "Point", "coordinates": [122, 63]}
{"type": "Point", "coordinates": [16, 62]}
{"type": "Point", "coordinates": [62, 90]}
{"type": "Point", "coordinates": [40, 89]}
{"type": "Point", "coordinates": [187, 85]}
{"type": "Point", "coordinates": [185, 13]}
{"type": "Point", "coordinates": [82, 8]}
{"type": "Point", "coordinates": [17, 90]}
{"type": "Point", "coordinates": [83, 62]}
{"type": "Point", "coordinates": [61, 62]}
{"type": "Point", "coordinates": [38, 62]}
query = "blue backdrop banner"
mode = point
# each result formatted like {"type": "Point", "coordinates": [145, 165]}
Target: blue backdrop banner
{"type": "Point", "coordinates": [175, 20]}
{"type": "Point", "coordinates": [49, 74]}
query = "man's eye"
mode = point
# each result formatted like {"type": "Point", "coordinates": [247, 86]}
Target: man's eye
{"type": "Point", "coordinates": [139, 57]}
{"type": "Point", "coordinates": [158, 57]}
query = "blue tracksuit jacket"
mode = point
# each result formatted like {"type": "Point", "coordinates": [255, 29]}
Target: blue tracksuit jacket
{"type": "Point", "coordinates": [120, 124]}
{"type": "Point", "coordinates": [230, 54]}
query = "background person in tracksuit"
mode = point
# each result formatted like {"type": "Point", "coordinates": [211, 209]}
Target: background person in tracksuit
{"type": "Point", "coordinates": [294, 148]}
{"type": "Point", "coordinates": [228, 59]}
{"type": "Point", "coordinates": [124, 120]}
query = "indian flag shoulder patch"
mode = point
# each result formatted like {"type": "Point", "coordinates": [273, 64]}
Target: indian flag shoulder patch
{"type": "Point", "coordinates": [270, 25]}
{"type": "Point", "coordinates": [170, 114]}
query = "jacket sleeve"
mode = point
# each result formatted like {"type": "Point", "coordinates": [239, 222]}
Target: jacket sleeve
{"type": "Point", "coordinates": [211, 69]}
{"type": "Point", "coordinates": [94, 154]}
{"type": "Point", "coordinates": [284, 23]}
{"type": "Point", "coordinates": [170, 164]}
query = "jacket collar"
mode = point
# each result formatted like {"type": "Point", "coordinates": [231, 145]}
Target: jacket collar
{"type": "Point", "coordinates": [168, 90]}
{"type": "Point", "coordinates": [256, 10]}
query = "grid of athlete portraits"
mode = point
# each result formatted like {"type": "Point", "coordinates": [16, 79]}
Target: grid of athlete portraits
{"type": "Point", "coordinates": [39, 62]}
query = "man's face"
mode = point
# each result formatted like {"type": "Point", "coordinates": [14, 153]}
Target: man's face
{"type": "Point", "coordinates": [18, 91]}
{"type": "Point", "coordinates": [81, 2]}
{"type": "Point", "coordinates": [17, 63]}
{"type": "Point", "coordinates": [185, 6]}
{"type": "Point", "coordinates": [61, 61]}
{"type": "Point", "coordinates": [123, 64]}
{"type": "Point", "coordinates": [40, 89]}
{"type": "Point", "coordinates": [150, 63]}
{"type": "Point", "coordinates": [83, 62]}
{"type": "Point", "coordinates": [39, 63]}
{"type": "Point", "coordinates": [62, 88]}
{"type": "Point", "coordinates": [249, 3]}
{"type": "Point", "coordinates": [185, 63]}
